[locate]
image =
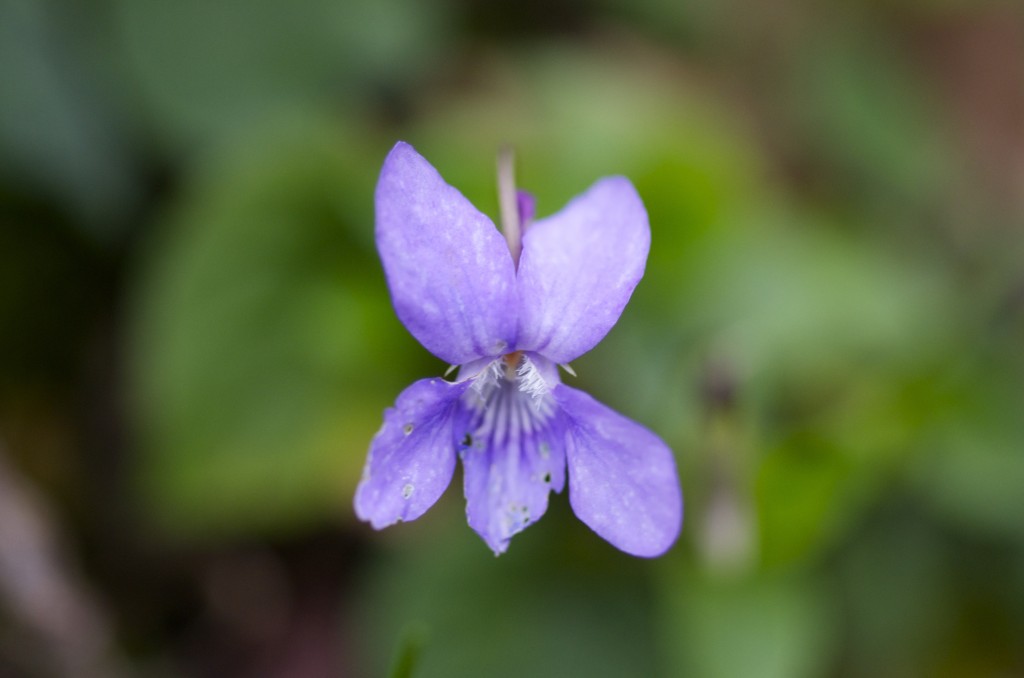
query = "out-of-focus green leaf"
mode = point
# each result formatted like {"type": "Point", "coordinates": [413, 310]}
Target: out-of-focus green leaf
{"type": "Point", "coordinates": [204, 69]}
{"type": "Point", "coordinates": [820, 332]}
{"type": "Point", "coordinates": [771, 628]}
{"type": "Point", "coordinates": [802, 302]}
{"type": "Point", "coordinates": [408, 655]}
{"type": "Point", "coordinates": [266, 345]}
{"type": "Point", "coordinates": [977, 481]}
{"type": "Point", "coordinates": [805, 496]}
{"type": "Point", "coordinates": [863, 108]}
{"type": "Point", "coordinates": [970, 466]}
{"type": "Point", "coordinates": [893, 596]}
{"type": "Point", "coordinates": [59, 135]}
{"type": "Point", "coordinates": [559, 602]}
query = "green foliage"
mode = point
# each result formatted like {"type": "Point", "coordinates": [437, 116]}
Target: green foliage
{"type": "Point", "coordinates": [262, 355]}
{"type": "Point", "coordinates": [828, 333]}
{"type": "Point", "coordinates": [59, 135]}
{"type": "Point", "coordinates": [409, 651]}
{"type": "Point", "coordinates": [532, 611]}
{"type": "Point", "coordinates": [250, 60]}
{"type": "Point", "coordinates": [766, 627]}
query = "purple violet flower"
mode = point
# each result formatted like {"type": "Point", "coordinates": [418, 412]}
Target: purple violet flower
{"type": "Point", "coordinates": [508, 322]}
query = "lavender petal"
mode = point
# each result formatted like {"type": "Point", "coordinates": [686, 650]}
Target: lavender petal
{"type": "Point", "coordinates": [412, 457]}
{"type": "Point", "coordinates": [512, 457]}
{"type": "Point", "coordinates": [622, 477]}
{"type": "Point", "coordinates": [578, 269]}
{"type": "Point", "coordinates": [450, 273]}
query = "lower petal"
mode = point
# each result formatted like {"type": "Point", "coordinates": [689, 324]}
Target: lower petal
{"type": "Point", "coordinates": [412, 457]}
{"type": "Point", "coordinates": [512, 458]}
{"type": "Point", "coordinates": [622, 478]}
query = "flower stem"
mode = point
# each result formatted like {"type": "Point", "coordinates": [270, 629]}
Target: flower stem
{"type": "Point", "coordinates": [508, 202]}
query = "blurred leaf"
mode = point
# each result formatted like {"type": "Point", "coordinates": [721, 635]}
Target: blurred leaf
{"type": "Point", "coordinates": [895, 601]}
{"type": "Point", "coordinates": [970, 466]}
{"type": "Point", "coordinates": [821, 332]}
{"type": "Point", "coordinates": [770, 628]}
{"type": "Point", "coordinates": [977, 480]}
{"type": "Point", "coordinates": [409, 650]}
{"type": "Point", "coordinates": [805, 303]}
{"type": "Point", "coordinates": [205, 68]}
{"type": "Point", "coordinates": [863, 107]}
{"type": "Point", "coordinates": [59, 134]}
{"type": "Point", "coordinates": [560, 602]}
{"type": "Point", "coordinates": [686, 23]}
{"type": "Point", "coordinates": [805, 494]}
{"type": "Point", "coordinates": [50, 283]}
{"type": "Point", "coordinates": [266, 345]}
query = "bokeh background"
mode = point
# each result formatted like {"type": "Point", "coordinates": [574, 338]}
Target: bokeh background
{"type": "Point", "coordinates": [196, 341]}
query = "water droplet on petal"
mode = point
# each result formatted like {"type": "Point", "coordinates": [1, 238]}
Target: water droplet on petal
{"type": "Point", "coordinates": [408, 428]}
{"type": "Point", "coordinates": [545, 450]}
{"type": "Point", "coordinates": [407, 490]}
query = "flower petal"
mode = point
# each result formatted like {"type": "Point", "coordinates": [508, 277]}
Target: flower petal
{"type": "Point", "coordinates": [622, 477]}
{"type": "Point", "coordinates": [449, 270]}
{"type": "Point", "coordinates": [412, 457]}
{"type": "Point", "coordinates": [578, 270]}
{"type": "Point", "coordinates": [513, 455]}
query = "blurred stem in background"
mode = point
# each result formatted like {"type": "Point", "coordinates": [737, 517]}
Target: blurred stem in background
{"type": "Point", "coordinates": [725, 524]}
{"type": "Point", "coordinates": [54, 622]}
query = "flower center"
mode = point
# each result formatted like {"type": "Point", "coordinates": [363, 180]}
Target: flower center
{"type": "Point", "coordinates": [513, 377]}
{"type": "Point", "coordinates": [512, 361]}
{"type": "Point", "coordinates": [508, 402]}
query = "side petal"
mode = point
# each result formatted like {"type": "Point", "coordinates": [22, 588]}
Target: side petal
{"type": "Point", "coordinates": [622, 477]}
{"type": "Point", "coordinates": [412, 457]}
{"type": "Point", "coordinates": [512, 456]}
{"type": "Point", "coordinates": [578, 269]}
{"type": "Point", "coordinates": [449, 270]}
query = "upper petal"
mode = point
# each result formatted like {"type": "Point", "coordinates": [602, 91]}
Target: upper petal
{"type": "Point", "coordinates": [578, 269]}
{"type": "Point", "coordinates": [450, 273]}
{"type": "Point", "coordinates": [412, 457]}
{"type": "Point", "coordinates": [622, 477]}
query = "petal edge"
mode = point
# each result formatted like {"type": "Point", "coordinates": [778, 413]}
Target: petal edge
{"type": "Point", "coordinates": [622, 477]}
{"type": "Point", "coordinates": [450, 274]}
{"type": "Point", "coordinates": [412, 458]}
{"type": "Point", "coordinates": [578, 270]}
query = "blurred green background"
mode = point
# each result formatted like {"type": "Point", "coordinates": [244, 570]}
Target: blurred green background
{"type": "Point", "coordinates": [196, 342]}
